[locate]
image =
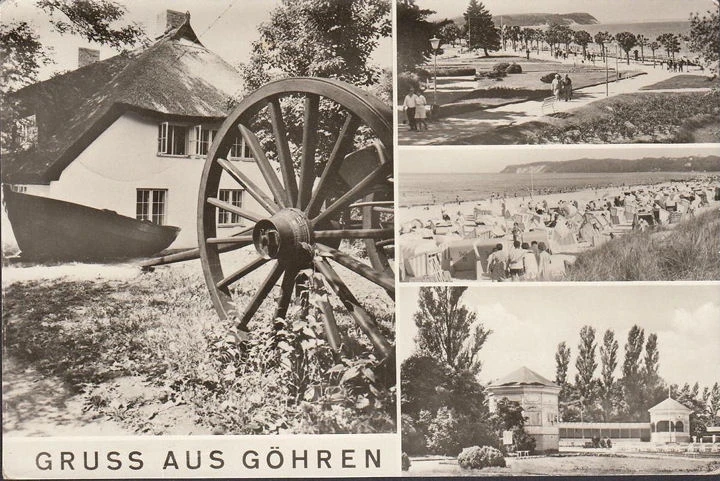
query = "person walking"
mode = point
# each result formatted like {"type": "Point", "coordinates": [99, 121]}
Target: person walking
{"type": "Point", "coordinates": [515, 261]}
{"type": "Point", "coordinates": [567, 87]}
{"type": "Point", "coordinates": [530, 265]}
{"type": "Point", "coordinates": [409, 104]}
{"type": "Point", "coordinates": [544, 262]}
{"type": "Point", "coordinates": [496, 262]}
{"type": "Point", "coordinates": [556, 86]}
{"type": "Point", "coordinates": [420, 112]}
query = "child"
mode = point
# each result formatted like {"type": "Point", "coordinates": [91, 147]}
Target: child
{"type": "Point", "coordinates": [420, 113]}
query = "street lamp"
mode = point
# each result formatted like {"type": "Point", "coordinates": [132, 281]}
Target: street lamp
{"type": "Point", "coordinates": [435, 44]}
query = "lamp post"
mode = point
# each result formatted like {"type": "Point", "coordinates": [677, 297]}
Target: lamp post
{"type": "Point", "coordinates": [435, 44]}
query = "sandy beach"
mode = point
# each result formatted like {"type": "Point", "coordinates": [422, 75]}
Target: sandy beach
{"type": "Point", "coordinates": [416, 240]}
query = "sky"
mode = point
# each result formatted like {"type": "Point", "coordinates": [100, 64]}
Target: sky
{"type": "Point", "coordinates": [230, 36]}
{"type": "Point", "coordinates": [494, 159]}
{"type": "Point", "coordinates": [529, 322]}
{"type": "Point", "coordinates": [606, 11]}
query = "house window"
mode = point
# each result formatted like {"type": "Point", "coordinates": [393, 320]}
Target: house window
{"type": "Point", "coordinates": [240, 150]}
{"type": "Point", "coordinates": [234, 197]}
{"type": "Point", "coordinates": [172, 139]}
{"type": "Point", "coordinates": [201, 139]}
{"type": "Point", "coordinates": [19, 188]}
{"type": "Point", "coordinates": [151, 205]}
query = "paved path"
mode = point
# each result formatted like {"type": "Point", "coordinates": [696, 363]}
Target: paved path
{"type": "Point", "coordinates": [450, 129]}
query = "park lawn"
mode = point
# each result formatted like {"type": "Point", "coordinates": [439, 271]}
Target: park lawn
{"type": "Point", "coordinates": [646, 117]}
{"type": "Point", "coordinates": [685, 82]}
{"type": "Point", "coordinates": [570, 465]}
{"type": "Point", "coordinates": [146, 352]}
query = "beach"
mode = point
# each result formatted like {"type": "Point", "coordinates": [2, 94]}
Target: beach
{"type": "Point", "coordinates": [460, 231]}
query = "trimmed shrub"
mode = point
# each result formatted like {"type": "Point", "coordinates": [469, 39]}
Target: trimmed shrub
{"type": "Point", "coordinates": [405, 462]}
{"type": "Point", "coordinates": [513, 68]}
{"type": "Point", "coordinates": [500, 67]}
{"type": "Point", "coordinates": [454, 71]}
{"type": "Point", "coordinates": [548, 78]}
{"type": "Point", "coordinates": [522, 441]}
{"type": "Point", "coordinates": [476, 457]}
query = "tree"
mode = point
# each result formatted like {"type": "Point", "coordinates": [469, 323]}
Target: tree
{"type": "Point", "coordinates": [609, 361]}
{"type": "Point", "coordinates": [582, 38]}
{"type": "Point", "coordinates": [420, 378]}
{"type": "Point", "coordinates": [319, 38]}
{"type": "Point", "coordinates": [670, 42]}
{"type": "Point", "coordinates": [642, 41]}
{"type": "Point", "coordinates": [601, 38]}
{"type": "Point", "coordinates": [705, 38]}
{"type": "Point", "coordinates": [586, 365]}
{"type": "Point", "coordinates": [632, 375]}
{"type": "Point", "coordinates": [448, 32]}
{"type": "Point", "coordinates": [480, 29]}
{"type": "Point", "coordinates": [447, 329]}
{"type": "Point", "coordinates": [557, 34]}
{"type": "Point", "coordinates": [653, 47]}
{"type": "Point", "coordinates": [413, 35]}
{"type": "Point", "coordinates": [562, 360]}
{"type": "Point", "coordinates": [626, 40]}
{"type": "Point", "coordinates": [22, 54]}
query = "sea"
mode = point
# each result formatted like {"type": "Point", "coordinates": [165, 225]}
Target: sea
{"type": "Point", "coordinates": [650, 30]}
{"type": "Point", "coordinates": [432, 189]}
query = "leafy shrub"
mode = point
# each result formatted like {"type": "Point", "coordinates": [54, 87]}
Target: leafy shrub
{"type": "Point", "coordinates": [451, 72]}
{"type": "Point", "coordinates": [413, 439]}
{"type": "Point", "coordinates": [406, 81]}
{"type": "Point", "coordinates": [522, 441]}
{"type": "Point", "coordinates": [548, 78]}
{"type": "Point", "coordinates": [513, 68]}
{"type": "Point", "coordinates": [449, 431]}
{"type": "Point", "coordinates": [500, 67]}
{"type": "Point", "coordinates": [477, 457]}
{"type": "Point", "coordinates": [405, 462]}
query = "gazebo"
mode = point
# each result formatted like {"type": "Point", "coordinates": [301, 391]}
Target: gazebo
{"type": "Point", "coordinates": [669, 422]}
{"type": "Point", "coordinates": [538, 397]}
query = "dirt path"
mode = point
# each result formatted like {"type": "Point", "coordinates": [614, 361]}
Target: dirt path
{"type": "Point", "coordinates": [41, 405]}
{"type": "Point", "coordinates": [450, 129]}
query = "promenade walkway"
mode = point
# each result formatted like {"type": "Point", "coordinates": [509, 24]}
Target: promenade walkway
{"type": "Point", "coordinates": [455, 127]}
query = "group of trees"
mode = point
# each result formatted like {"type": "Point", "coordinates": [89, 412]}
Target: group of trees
{"type": "Point", "coordinates": [597, 395]}
{"type": "Point", "coordinates": [445, 408]}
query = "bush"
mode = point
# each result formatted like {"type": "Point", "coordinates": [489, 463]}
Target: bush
{"type": "Point", "coordinates": [454, 71]}
{"type": "Point", "coordinates": [413, 439]}
{"type": "Point", "coordinates": [476, 457]}
{"type": "Point", "coordinates": [500, 67]}
{"type": "Point", "coordinates": [405, 462]}
{"type": "Point", "coordinates": [513, 68]}
{"type": "Point", "coordinates": [548, 78]}
{"type": "Point", "coordinates": [449, 431]}
{"type": "Point", "coordinates": [522, 441]}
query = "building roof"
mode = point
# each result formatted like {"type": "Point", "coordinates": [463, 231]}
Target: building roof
{"type": "Point", "coordinates": [176, 76]}
{"type": "Point", "coordinates": [523, 377]}
{"type": "Point", "coordinates": [670, 405]}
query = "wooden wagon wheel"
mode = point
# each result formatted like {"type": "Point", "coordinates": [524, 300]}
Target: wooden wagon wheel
{"type": "Point", "coordinates": [346, 194]}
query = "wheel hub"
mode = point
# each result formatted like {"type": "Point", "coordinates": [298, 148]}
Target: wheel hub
{"type": "Point", "coordinates": [282, 236]}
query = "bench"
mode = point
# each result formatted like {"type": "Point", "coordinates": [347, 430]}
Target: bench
{"type": "Point", "coordinates": [522, 454]}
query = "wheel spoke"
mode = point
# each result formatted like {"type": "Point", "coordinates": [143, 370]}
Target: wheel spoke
{"type": "Point", "coordinates": [283, 149]}
{"type": "Point", "coordinates": [374, 203]}
{"type": "Point", "coordinates": [260, 295]}
{"type": "Point", "coordinates": [362, 318]}
{"type": "Point", "coordinates": [252, 189]}
{"type": "Point", "coordinates": [251, 216]}
{"type": "Point", "coordinates": [354, 234]}
{"type": "Point", "coordinates": [286, 292]}
{"type": "Point", "coordinates": [265, 168]}
{"type": "Point", "coordinates": [385, 242]}
{"type": "Point", "coordinates": [381, 171]}
{"type": "Point", "coordinates": [242, 272]}
{"type": "Point", "coordinates": [380, 278]}
{"type": "Point", "coordinates": [343, 144]}
{"type": "Point", "coordinates": [309, 145]}
{"type": "Point", "coordinates": [330, 324]}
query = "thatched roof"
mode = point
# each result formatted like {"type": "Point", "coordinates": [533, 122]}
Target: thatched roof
{"type": "Point", "coordinates": [176, 77]}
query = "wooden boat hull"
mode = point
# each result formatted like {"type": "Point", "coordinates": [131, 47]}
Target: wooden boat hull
{"type": "Point", "coordinates": [51, 229]}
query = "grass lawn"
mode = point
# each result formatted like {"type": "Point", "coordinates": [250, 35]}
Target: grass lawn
{"type": "Point", "coordinates": [684, 82]}
{"type": "Point", "coordinates": [688, 252]}
{"type": "Point", "coordinates": [569, 465]}
{"type": "Point", "coordinates": [648, 117]}
{"type": "Point", "coordinates": [148, 353]}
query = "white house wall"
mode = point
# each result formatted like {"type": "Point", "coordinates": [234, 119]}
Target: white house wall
{"type": "Point", "coordinates": [107, 174]}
